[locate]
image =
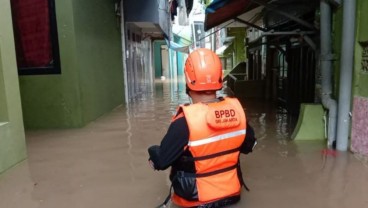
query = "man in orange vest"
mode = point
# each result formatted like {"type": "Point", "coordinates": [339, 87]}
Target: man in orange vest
{"type": "Point", "coordinates": [205, 139]}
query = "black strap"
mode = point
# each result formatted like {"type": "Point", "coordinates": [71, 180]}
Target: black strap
{"type": "Point", "coordinates": [221, 203]}
{"type": "Point", "coordinates": [240, 175]}
{"type": "Point", "coordinates": [216, 154]}
{"type": "Point", "coordinates": [206, 157]}
{"type": "Point", "coordinates": [167, 199]}
{"type": "Point", "coordinates": [168, 196]}
{"type": "Point", "coordinates": [199, 175]}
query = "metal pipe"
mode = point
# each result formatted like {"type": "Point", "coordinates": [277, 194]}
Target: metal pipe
{"type": "Point", "coordinates": [326, 71]}
{"type": "Point", "coordinates": [296, 32]}
{"type": "Point", "coordinates": [346, 74]}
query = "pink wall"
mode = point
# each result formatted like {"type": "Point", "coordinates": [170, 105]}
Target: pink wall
{"type": "Point", "coordinates": [359, 135]}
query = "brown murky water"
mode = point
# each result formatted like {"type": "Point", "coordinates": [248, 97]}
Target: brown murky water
{"type": "Point", "coordinates": [105, 163]}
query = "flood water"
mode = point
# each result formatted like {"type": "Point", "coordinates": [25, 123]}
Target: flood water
{"type": "Point", "coordinates": [104, 165]}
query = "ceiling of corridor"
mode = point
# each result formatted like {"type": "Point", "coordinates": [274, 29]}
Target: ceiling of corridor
{"type": "Point", "coordinates": [252, 11]}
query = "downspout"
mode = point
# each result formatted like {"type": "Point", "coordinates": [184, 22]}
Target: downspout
{"type": "Point", "coordinates": [346, 73]}
{"type": "Point", "coordinates": [326, 71]}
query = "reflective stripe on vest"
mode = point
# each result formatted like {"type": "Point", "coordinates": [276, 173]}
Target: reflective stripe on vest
{"type": "Point", "coordinates": [217, 138]}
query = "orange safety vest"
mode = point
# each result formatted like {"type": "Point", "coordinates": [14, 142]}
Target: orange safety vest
{"type": "Point", "coordinates": [217, 131]}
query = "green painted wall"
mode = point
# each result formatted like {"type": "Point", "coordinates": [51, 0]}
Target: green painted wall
{"type": "Point", "coordinates": [360, 79]}
{"type": "Point", "coordinates": [99, 55]}
{"type": "Point", "coordinates": [91, 79]}
{"type": "Point", "coordinates": [360, 85]}
{"type": "Point", "coordinates": [157, 57]}
{"type": "Point", "coordinates": [12, 138]}
{"type": "Point", "coordinates": [238, 43]}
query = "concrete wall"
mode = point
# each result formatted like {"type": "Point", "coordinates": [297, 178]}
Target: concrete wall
{"type": "Point", "coordinates": [12, 139]}
{"type": "Point", "coordinates": [91, 79]}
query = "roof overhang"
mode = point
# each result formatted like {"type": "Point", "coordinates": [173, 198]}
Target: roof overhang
{"type": "Point", "coordinates": [271, 12]}
{"type": "Point", "coordinates": [230, 10]}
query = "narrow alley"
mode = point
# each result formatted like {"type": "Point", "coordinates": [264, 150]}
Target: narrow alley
{"type": "Point", "coordinates": [105, 163]}
{"type": "Point", "coordinates": [86, 87]}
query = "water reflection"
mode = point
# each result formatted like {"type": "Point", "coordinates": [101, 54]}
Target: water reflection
{"type": "Point", "coordinates": [129, 143]}
{"type": "Point", "coordinates": [268, 120]}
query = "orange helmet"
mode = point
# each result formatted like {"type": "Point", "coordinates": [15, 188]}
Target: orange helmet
{"type": "Point", "coordinates": [203, 70]}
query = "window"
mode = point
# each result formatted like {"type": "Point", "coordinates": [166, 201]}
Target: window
{"type": "Point", "coordinates": [35, 35]}
{"type": "Point", "coordinates": [199, 34]}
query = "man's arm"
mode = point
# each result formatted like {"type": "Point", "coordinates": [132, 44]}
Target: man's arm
{"type": "Point", "coordinates": [172, 145]}
{"type": "Point", "coordinates": [249, 142]}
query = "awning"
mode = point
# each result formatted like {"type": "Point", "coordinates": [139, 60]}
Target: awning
{"type": "Point", "coordinates": [220, 11]}
{"type": "Point", "coordinates": [177, 47]}
{"type": "Point", "coordinates": [180, 44]}
{"type": "Point", "coordinates": [215, 5]}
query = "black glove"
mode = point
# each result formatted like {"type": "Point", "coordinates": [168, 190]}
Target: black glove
{"type": "Point", "coordinates": [153, 152]}
{"type": "Point", "coordinates": [248, 145]}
